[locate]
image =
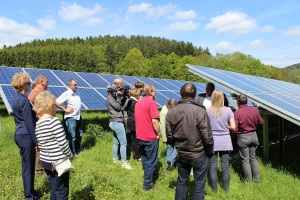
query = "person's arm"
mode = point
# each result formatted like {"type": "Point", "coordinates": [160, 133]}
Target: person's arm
{"type": "Point", "coordinates": [259, 118]}
{"type": "Point", "coordinates": [69, 110]}
{"type": "Point", "coordinates": [206, 134]}
{"type": "Point", "coordinates": [162, 118]}
{"type": "Point", "coordinates": [155, 123]}
{"type": "Point", "coordinates": [29, 119]}
{"type": "Point", "coordinates": [32, 95]}
{"type": "Point", "coordinates": [169, 134]}
{"type": "Point", "coordinates": [116, 105]}
{"type": "Point", "coordinates": [232, 125]}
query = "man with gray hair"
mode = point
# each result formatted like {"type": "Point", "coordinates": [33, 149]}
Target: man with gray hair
{"type": "Point", "coordinates": [188, 128]}
{"type": "Point", "coordinates": [247, 118]}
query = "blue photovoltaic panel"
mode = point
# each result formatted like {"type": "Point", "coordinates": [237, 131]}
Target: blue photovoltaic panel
{"type": "Point", "coordinates": [93, 79]}
{"type": "Point", "coordinates": [278, 97]}
{"type": "Point", "coordinates": [8, 94]}
{"type": "Point", "coordinates": [166, 84]}
{"type": "Point", "coordinates": [160, 99]}
{"type": "Point", "coordinates": [92, 99]}
{"type": "Point", "coordinates": [176, 83]}
{"type": "Point", "coordinates": [109, 78]}
{"type": "Point", "coordinates": [56, 91]}
{"type": "Point", "coordinates": [103, 92]}
{"type": "Point", "coordinates": [66, 76]}
{"type": "Point", "coordinates": [129, 80]}
{"type": "Point", "coordinates": [6, 74]}
{"type": "Point", "coordinates": [52, 80]}
{"type": "Point", "coordinates": [170, 95]}
{"type": "Point", "coordinates": [145, 80]}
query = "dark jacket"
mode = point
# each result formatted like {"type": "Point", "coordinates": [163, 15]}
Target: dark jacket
{"type": "Point", "coordinates": [130, 114]}
{"type": "Point", "coordinates": [24, 116]}
{"type": "Point", "coordinates": [114, 109]}
{"type": "Point", "coordinates": [188, 127]}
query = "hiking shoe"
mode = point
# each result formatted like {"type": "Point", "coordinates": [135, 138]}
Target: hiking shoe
{"type": "Point", "coordinates": [126, 165]}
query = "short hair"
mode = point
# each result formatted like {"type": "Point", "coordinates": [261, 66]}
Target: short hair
{"type": "Point", "coordinates": [148, 89]}
{"type": "Point", "coordinates": [19, 80]}
{"type": "Point", "coordinates": [118, 81]}
{"type": "Point", "coordinates": [134, 92]}
{"type": "Point", "coordinates": [139, 84]}
{"type": "Point", "coordinates": [43, 102]}
{"type": "Point", "coordinates": [242, 99]}
{"type": "Point", "coordinates": [70, 81]}
{"type": "Point", "coordinates": [188, 91]}
{"type": "Point", "coordinates": [171, 103]}
{"type": "Point", "coordinates": [212, 86]}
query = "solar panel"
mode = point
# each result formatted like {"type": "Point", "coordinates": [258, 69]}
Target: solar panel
{"type": "Point", "coordinates": [92, 99]}
{"type": "Point", "coordinates": [6, 74]}
{"type": "Point", "coordinates": [52, 79]}
{"type": "Point", "coordinates": [129, 80]}
{"type": "Point", "coordinates": [278, 97]}
{"type": "Point", "coordinates": [65, 76]}
{"type": "Point", "coordinates": [166, 84]}
{"type": "Point", "coordinates": [93, 79]}
{"type": "Point", "coordinates": [108, 78]}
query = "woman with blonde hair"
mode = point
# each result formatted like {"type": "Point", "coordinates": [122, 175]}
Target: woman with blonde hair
{"type": "Point", "coordinates": [24, 135]}
{"type": "Point", "coordinates": [222, 121]}
{"type": "Point", "coordinates": [52, 143]}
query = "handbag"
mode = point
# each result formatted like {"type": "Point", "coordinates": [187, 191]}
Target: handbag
{"type": "Point", "coordinates": [63, 166]}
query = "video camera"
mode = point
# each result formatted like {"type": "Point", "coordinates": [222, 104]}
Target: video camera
{"type": "Point", "coordinates": [118, 92]}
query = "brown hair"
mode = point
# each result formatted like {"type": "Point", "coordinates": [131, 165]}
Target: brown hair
{"type": "Point", "coordinates": [171, 103]}
{"type": "Point", "coordinates": [188, 91]}
{"type": "Point", "coordinates": [19, 80]}
{"type": "Point", "coordinates": [148, 89]}
{"type": "Point", "coordinates": [135, 92]}
{"type": "Point", "coordinates": [139, 84]}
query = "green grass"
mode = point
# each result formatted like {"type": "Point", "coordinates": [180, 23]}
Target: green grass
{"type": "Point", "coordinates": [97, 177]}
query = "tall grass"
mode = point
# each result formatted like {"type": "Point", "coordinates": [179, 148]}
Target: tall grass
{"type": "Point", "coordinates": [97, 177]}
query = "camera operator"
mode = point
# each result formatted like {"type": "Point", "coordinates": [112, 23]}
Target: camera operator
{"type": "Point", "coordinates": [115, 109]}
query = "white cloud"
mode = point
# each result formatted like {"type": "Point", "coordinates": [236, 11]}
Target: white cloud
{"type": "Point", "coordinates": [232, 22]}
{"type": "Point", "coordinates": [227, 47]}
{"type": "Point", "coordinates": [12, 33]}
{"type": "Point", "coordinates": [150, 10]}
{"type": "Point", "coordinates": [93, 20]}
{"type": "Point", "coordinates": [75, 12]}
{"type": "Point", "coordinates": [189, 14]}
{"type": "Point", "coordinates": [293, 30]}
{"type": "Point", "coordinates": [47, 23]}
{"type": "Point", "coordinates": [184, 26]}
{"type": "Point", "coordinates": [267, 29]}
{"type": "Point", "coordinates": [257, 44]}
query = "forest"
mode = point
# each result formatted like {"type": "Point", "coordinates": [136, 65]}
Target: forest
{"type": "Point", "coordinates": [144, 56]}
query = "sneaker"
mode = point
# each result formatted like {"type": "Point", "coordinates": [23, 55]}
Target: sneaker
{"type": "Point", "coordinates": [126, 165]}
{"type": "Point", "coordinates": [117, 161]}
{"type": "Point", "coordinates": [170, 165]}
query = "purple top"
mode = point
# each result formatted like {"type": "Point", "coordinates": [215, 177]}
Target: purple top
{"type": "Point", "coordinates": [219, 127]}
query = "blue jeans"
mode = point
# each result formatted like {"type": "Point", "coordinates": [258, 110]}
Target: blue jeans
{"type": "Point", "coordinates": [213, 170]}
{"type": "Point", "coordinates": [171, 153]}
{"type": "Point", "coordinates": [59, 186]}
{"type": "Point", "coordinates": [75, 129]}
{"type": "Point", "coordinates": [149, 151]}
{"type": "Point", "coordinates": [200, 167]}
{"type": "Point", "coordinates": [27, 152]}
{"type": "Point", "coordinates": [119, 139]}
{"type": "Point", "coordinates": [247, 144]}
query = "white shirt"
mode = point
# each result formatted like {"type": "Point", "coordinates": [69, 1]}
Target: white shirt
{"type": "Point", "coordinates": [70, 99]}
{"type": "Point", "coordinates": [207, 102]}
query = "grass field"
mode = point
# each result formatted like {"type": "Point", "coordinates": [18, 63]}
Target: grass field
{"type": "Point", "coordinates": [97, 177]}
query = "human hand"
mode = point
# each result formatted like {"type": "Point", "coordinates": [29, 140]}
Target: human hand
{"type": "Point", "coordinates": [69, 110]}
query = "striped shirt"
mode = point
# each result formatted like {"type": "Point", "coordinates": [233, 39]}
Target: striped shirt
{"type": "Point", "coordinates": [51, 140]}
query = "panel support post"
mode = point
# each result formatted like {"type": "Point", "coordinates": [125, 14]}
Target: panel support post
{"type": "Point", "coordinates": [281, 136]}
{"type": "Point", "coordinates": [265, 137]}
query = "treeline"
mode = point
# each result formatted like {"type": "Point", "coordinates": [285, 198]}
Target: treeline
{"type": "Point", "coordinates": [135, 56]}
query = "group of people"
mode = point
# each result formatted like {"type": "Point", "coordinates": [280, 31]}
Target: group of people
{"type": "Point", "coordinates": [39, 132]}
{"type": "Point", "coordinates": [196, 132]}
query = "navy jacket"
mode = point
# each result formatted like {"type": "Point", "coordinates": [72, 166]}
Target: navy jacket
{"type": "Point", "coordinates": [24, 116]}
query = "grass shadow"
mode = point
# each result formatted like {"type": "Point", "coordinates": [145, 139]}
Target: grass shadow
{"type": "Point", "coordinates": [84, 194]}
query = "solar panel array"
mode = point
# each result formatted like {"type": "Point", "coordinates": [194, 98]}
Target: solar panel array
{"type": "Point", "coordinates": [279, 97]}
{"type": "Point", "coordinates": [91, 86]}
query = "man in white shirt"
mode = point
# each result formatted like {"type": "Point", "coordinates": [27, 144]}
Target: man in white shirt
{"type": "Point", "coordinates": [70, 99]}
{"type": "Point", "coordinates": [204, 99]}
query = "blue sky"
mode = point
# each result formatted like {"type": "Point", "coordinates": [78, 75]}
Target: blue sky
{"type": "Point", "coordinates": [269, 30]}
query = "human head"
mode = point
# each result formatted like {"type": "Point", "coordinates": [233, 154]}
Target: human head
{"type": "Point", "coordinates": [21, 82]}
{"type": "Point", "coordinates": [41, 80]}
{"type": "Point", "coordinates": [118, 82]}
{"type": "Point", "coordinates": [188, 91]}
{"type": "Point", "coordinates": [242, 99]}
{"type": "Point", "coordinates": [217, 99]}
{"type": "Point", "coordinates": [149, 90]}
{"type": "Point", "coordinates": [210, 87]}
{"type": "Point", "coordinates": [171, 103]}
{"type": "Point", "coordinates": [44, 103]}
{"type": "Point", "coordinates": [134, 92]}
{"type": "Point", "coordinates": [73, 85]}
{"type": "Point", "coordinates": [139, 85]}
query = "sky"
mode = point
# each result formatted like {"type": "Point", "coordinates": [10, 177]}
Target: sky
{"type": "Point", "coordinates": [268, 30]}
